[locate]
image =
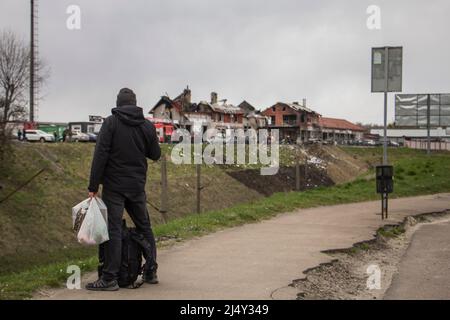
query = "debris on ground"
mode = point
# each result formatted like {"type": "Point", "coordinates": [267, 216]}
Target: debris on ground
{"type": "Point", "coordinates": [283, 181]}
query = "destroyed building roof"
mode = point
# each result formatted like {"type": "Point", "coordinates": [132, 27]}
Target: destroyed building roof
{"type": "Point", "coordinates": [298, 107]}
{"type": "Point", "coordinates": [165, 100]}
{"type": "Point", "coordinates": [246, 107]}
{"type": "Point", "coordinates": [223, 107]}
{"type": "Point", "coordinates": [182, 105]}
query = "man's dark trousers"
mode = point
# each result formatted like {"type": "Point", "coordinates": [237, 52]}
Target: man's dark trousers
{"type": "Point", "coordinates": [135, 204]}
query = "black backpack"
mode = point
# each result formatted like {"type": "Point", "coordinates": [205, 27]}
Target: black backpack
{"type": "Point", "coordinates": [134, 246]}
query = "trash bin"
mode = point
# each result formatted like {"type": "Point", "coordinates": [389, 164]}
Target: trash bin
{"type": "Point", "coordinates": [385, 179]}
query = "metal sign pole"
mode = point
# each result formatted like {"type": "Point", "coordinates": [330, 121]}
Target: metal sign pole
{"type": "Point", "coordinates": [428, 125]}
{"type": "Point", "coordinates": [386, 76]}
{"type": "Point", "coordinates": [385, 143]}
{"type": "Point", "coordinates": [386, 88]}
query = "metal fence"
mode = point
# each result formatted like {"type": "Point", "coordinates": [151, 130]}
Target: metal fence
{"type": "Point", "coordinates": [422, 145]}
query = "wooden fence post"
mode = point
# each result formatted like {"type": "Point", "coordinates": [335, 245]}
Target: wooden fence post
{"type": "Point", "coordinates": [199, 188]}
{"type": "Point", "coordinates": [297, 174]}
{"type": "Point", "coordinates": [164, 189]}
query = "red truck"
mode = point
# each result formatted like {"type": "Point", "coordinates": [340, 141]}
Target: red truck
{"type": "Point", "coordinates": [164, 129]}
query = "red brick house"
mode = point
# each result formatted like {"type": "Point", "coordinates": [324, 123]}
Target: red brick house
{"type": "Point", "coordinates": [295, 122]}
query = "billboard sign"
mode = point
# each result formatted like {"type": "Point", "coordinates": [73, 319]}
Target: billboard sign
{"type": "Point", "coordinates": [411, 110]}
{"type": "Point", "coordinates": [97, 119]}
{"type": "Point", "coordinates": [388, 66]}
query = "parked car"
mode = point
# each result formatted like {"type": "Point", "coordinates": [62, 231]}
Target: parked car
{"type": "Point", "coordinates": [78, 136]}
{"type": "Point", "coordinates": [92, 137]}
{"type": "Point", "coordinates": [370, 143]}
{"type": "Point", "coordinates": [39, 136]}
{"type": "Point", "coordinates": [393, 144]}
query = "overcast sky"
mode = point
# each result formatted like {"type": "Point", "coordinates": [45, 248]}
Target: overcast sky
{"type": "Point", "coordinates": [260, 51]}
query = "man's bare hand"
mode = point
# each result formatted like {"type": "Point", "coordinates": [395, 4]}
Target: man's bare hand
{"type": "Point", "coordinates": [92, 194]}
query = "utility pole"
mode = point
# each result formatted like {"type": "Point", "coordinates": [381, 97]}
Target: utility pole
{"type": "Point", "coordinates": [32, 62]}
{"type": "Point", "coordinates": [33, 51]}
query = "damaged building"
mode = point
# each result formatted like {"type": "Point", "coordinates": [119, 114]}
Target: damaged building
{"type": "Point", "coordinates": [212, 114]}
{"type": "Point", "coordinates": [253, 118]}
{"type": "Point", "coordinates": [295, 121]}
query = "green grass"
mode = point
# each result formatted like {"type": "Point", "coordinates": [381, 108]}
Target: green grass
{"type": "Point", "coordinates": [358, 248]}
{"type": "Point", "coordinates": [22, 285]}
{"type": "Point", "coordinates": [431, 175]}
{"type": "Point", "coordinates": [392, 232]}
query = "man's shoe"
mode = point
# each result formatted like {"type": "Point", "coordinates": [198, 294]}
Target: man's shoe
{"type": "Point", "coordinates": [102, 285]}
{"type": "Point", "coordinates": [151, 277]}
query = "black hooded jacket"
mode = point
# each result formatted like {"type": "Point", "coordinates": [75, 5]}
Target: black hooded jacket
{"type": "Point", "coordinates": [125, 141]}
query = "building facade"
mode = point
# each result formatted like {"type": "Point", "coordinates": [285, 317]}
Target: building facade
{"type": "Point", "coordinates": [340, 130]}
{"type": "Point", "coordinates": [295, 122]}
{"type": "Point", "coordinates": [253, 119]}
{"type": "Point", "coordinates": [196, 117]}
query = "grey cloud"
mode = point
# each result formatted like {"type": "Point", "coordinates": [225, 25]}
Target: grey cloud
{"type": "Point", "coordinates": [261, 51]}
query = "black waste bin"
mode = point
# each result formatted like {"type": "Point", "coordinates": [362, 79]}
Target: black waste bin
{"type": "Point", "coordinates": [385, 179]}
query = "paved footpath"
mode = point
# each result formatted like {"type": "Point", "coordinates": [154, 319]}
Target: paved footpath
{"type": "Point", "coordinates": [259, 261]}
{"type": "Point", "coordinates": [424, 272]}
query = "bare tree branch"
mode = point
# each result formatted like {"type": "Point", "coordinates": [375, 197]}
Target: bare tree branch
{"type": "Point", "coordinates": [15, 80]}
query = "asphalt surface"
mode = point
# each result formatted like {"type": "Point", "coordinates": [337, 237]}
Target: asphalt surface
{"type": "Point", "coordinates": [424, 271]}
{"type": "Point", "coordinates": [260, 261]}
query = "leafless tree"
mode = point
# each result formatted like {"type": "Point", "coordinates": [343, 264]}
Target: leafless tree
{"type": "Point", "coordinates": [14, 82]}
{"type": "Point", "coordinates": [14, 75]}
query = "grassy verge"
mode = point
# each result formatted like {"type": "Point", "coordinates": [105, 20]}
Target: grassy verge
{"type": "Point", "coordinates": [416, 174]}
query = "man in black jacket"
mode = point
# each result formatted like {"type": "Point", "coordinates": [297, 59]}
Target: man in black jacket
{"type": "Point", "coordinates": [125, 142]}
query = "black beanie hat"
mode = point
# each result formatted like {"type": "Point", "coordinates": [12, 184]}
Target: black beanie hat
{"type": "Point", "coordinates": [126, 97]}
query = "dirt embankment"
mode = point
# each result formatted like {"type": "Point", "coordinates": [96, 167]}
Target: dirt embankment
{"type": "Point", "coordinates": [340, 166]}
{"type": "Point", "coordinates": [284, 180]}
{"type": "Point", "coordinates": [320, 166]}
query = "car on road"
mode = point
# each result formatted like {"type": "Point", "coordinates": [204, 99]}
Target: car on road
{"type": "Point", "coordinates": [39, 136]}
{"type": "Point", "coordinates": [78, 136]}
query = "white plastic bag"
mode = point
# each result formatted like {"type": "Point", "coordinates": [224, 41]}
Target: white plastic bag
{"type": "Point", "coordinates": [103, 210]}
{"type": "Point", "coordinates": [94, 228]}
{"type": "Point", "coordinates": [78, 214]}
